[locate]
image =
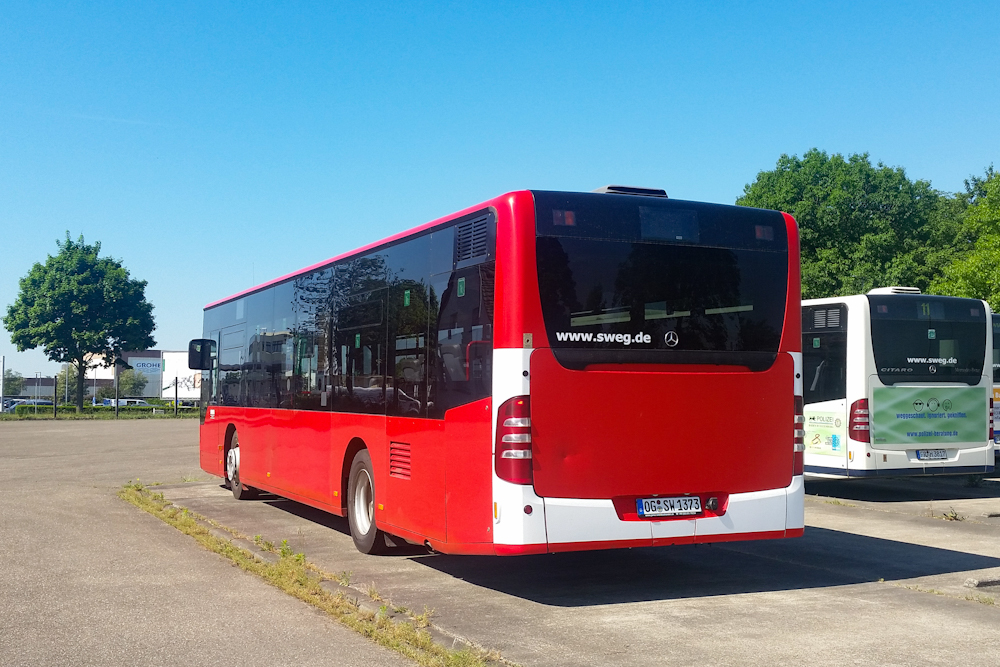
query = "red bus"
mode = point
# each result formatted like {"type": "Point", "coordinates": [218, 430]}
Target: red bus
{"type": "Point", "coordinates": [542, 372]}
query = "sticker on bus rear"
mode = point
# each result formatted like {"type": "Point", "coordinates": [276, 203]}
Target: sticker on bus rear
{"type": "Point", "coordinates": [590, 337]}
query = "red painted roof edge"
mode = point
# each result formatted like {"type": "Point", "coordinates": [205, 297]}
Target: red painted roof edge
{"type": "Point", "coordinates": [390, 239]}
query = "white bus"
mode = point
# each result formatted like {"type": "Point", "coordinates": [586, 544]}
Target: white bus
{"type": "Point", "coordinates": [897, 383]}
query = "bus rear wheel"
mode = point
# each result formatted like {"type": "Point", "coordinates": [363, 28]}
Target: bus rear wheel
{"type": "Point", "coordinates": [361, 506]}
{"type": "Point", "coordinates": [240, 490]}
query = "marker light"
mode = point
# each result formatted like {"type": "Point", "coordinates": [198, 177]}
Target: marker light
{"type": "Point", "coordinates": [798, 438]}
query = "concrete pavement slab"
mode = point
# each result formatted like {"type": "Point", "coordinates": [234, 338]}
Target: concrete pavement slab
{"type": "Point", "coordinates": [88, 580]}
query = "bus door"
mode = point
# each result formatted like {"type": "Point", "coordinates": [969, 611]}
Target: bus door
{"type": "Point", "coordinates": [824, 387]}
{"type": "Point", "coordinates": [415, 485]}
{"type": "Point", "coordinates": [233, 391]}
{"type": "Point", "coordinates": [211, 458]}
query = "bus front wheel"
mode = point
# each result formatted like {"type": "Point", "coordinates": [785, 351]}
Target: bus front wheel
{"type": "Point", "coordinates": [240, 490]}
{"type": "Point", "coordinates": [361, 506]}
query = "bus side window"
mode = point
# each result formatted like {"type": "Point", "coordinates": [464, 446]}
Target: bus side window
{"type": "Point", "coordinates": [407, 393]}
{"type": "Point", "coordinates": [361, 350]}
{"type": "Point", "coordinates": [231, 361]}
{"type": "Point", "coordinates": [461, 341]}
{"type": "Point", "coordinates": [824, 353]}
{"type": "Point", "coordinates": [210, 378]}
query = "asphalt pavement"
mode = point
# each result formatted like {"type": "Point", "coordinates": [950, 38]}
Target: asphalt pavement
{"type": "Point", "coordinates": [87, 579]}
{"type": "Point", "coordinates": [880, 577]}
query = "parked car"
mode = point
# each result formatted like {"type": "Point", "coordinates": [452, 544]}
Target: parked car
{"type": "Point", "coordinates": [125, 402]}
{"type": "Point", "coordinates": [31, 401]}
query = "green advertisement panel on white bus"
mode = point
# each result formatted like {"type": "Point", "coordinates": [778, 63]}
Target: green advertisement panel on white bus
{"type": "Point", "coordinates": [896, 382]}
{"type": "Point", "coordinates": [928, 415]}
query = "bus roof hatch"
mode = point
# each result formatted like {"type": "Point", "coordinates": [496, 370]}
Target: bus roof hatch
{"type": "Point", "coordinates": [631, 190]}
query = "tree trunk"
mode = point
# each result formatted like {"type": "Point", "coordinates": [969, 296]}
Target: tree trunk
{"type": "Point", "coordinates": [80, 380]}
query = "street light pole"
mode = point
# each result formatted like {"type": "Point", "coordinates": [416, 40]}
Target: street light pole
{"type": "Point", "coordinates": [38, 379]}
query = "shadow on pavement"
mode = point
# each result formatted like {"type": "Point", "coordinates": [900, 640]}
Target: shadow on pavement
{"type": "Point", "coordinates": [334, 522]}
{"type": "Point", "coordinates": [957, 487]}
{"type": "Point", "coordinates": [820, 559]}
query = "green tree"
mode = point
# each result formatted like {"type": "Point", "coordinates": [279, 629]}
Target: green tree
{"type": "Point", "coordinates": [79, 306]}
{"type": "Point", "coordinates": [66, 384]}
{"type": "Point", "coordinates": [131, 383]}
{"type": "Point", "coordinates": [861, 225]}
{"type": "Point", "coordinates": [13, 383]}
{"type": "Point", "coordinates": [977, 275]}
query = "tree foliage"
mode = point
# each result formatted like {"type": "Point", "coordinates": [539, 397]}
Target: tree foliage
{"type": "Point", "coordinates": [977, 275]}
{"type": "Point", "coordinates": [67, 386]}
{"type": "Point", "coordinates": [78, 305]}
{"type": "Point", "coordinates": [13, 383]}
{"type": "Point", "coordinates": [131, 383]}
{"type": "Point", "coordinates": [861, 225]}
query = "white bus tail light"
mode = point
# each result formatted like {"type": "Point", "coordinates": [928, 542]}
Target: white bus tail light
{"type": "Point", "coordinates": [513, 447]}
{"type": "Point", "coordinates": [991, 420]}
{"type": "Point", "coordinates": [860, 425]}
{"type": "Point", "coordinates": [798, 438]}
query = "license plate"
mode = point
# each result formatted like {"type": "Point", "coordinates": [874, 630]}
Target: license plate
{"type": "Point", "coordinates": [931, 454]}
{"type": "Point", "coordinates": [679, 506]}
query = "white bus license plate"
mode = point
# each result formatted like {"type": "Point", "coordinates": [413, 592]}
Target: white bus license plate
{"type": "Point", "coordinates": [683, 505]}
{"type": "Point", "coordinates": [931, 454]}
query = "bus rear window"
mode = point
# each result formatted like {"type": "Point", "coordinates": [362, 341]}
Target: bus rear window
{"type": "Point", "coordinates": [628, 279]}
{"type": "Point", "coordinates": [928, 338]}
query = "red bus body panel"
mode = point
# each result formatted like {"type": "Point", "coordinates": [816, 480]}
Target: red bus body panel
{"type": "Point", "coordinates": [605, 434]}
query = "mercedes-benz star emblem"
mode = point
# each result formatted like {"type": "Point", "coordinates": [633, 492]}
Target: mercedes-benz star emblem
{"type": "Point", "coordinates": [671, 338]}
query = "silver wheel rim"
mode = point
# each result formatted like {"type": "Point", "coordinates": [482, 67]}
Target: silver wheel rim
{"type": "Point", "coordinates": [233, 462]}
{"type": "Point", "coordinates": [363, 502]}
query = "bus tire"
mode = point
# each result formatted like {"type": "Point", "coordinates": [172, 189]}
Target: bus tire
{"type": "Point", "coordinates": [361, 506]}
{"type": "Point", "coordinates": [240, 491]}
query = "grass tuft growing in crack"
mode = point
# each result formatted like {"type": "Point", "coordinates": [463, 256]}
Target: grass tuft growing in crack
{"type": "Point", "coordinates": [952, 515]}
{"type": "Point", "coordinates": [294, 575]}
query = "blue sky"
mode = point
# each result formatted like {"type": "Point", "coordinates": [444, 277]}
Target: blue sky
{"type": "Point", "coordinates": [212, 146]}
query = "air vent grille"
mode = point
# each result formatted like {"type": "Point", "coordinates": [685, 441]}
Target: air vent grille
{"type": "Point", "coordinates": [471, 239]}
{"type": "Point", "coordinates": [399, 460]}
{"type": "Point", "coordinates": [826, 319]}
{"type": "Point", "coordinates": [820, 319]}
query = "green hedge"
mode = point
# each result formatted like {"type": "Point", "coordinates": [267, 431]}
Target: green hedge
{"type": "Point", "coordinates": [100, 412]}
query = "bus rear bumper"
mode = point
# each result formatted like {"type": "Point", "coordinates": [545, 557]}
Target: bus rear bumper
{"type": "Point", "coordinates": [905, 463]}
{"type": "Point", "coordinates": [575, 524]}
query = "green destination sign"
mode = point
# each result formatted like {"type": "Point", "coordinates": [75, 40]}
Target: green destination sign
{"type": "Point", "coordinates": [929, 415]}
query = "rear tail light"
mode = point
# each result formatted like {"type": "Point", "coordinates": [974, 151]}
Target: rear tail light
{"type": "Point", "coordinates": [860, 428]}
{"type": "Point", "coordinates": [513, 446]}
{"type": "Point", "coordinates": [798, 439]}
